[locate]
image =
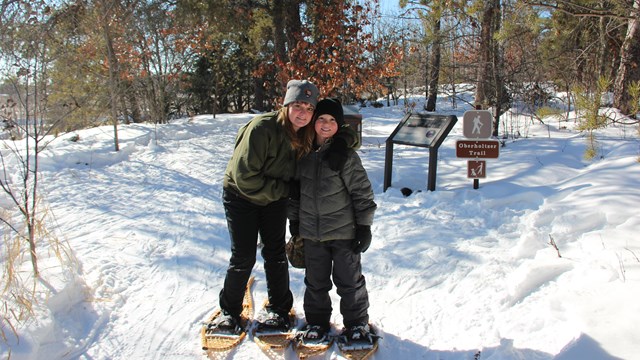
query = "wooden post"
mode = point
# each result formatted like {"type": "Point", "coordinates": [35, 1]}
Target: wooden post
{"type": "Point", "coordinates": [476, 182]}
{"type": "Point", "coordinates": [388, 164]}
{"type": "Point", "coordinates": [433, 163]}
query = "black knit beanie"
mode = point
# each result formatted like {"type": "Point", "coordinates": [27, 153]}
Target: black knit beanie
{"type": "Point", "coordinates": [332, 107]}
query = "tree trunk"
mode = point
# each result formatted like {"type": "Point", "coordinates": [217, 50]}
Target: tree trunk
{"type": "Point", "coordinates": [498, 68]}
{"type": "Point", "coordinates": [113, 73]}
{"type": "Point", "coordinates": [602, 47]}
{"type": "Point", "coordinates": [258, 94]}
{"type": "Point", "coordinates": [629, 69]}
{"type": "Point", "coordinates": [293, 23]}
{"type": "Point", "coordinates": [134, 107]}
{"type": "Point", "coordinates": [490, 89]}
{"type": "Point", "coordinates": [485, 46]}
{"type": "Point", "coordinates": [29, 197]}
{"type": "Point", "coordinates": [434, 69]}
{"type": "Point", "coordinates": [279, 39]}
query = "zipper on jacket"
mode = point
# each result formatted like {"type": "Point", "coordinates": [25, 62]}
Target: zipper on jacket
{"type": "Point", "coordinates": [317, 164]}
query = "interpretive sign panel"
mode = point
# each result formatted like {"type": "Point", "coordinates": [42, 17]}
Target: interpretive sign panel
{"type": "Point", "coordinates": [426, 130]}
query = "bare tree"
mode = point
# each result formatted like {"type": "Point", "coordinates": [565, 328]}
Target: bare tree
{"type": "Point", "coordinates": [107, 7]}
{"type": "Point", "coordinates": [629, 70]}
{"type": "Point", "coordinates": [29, 54]}
{"type": "Point", "coordinates": [25, 48]}
{"type": "Point", "coordinates": [434, 68]}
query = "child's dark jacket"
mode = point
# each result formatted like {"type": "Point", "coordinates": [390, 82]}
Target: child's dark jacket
{"type": "Point", "coordinates": [331, 202]}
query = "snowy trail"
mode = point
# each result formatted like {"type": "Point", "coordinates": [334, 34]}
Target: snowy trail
{"type": "Point", "coordinates": [449, 273]}
{"type": "Point", "coordinates": [160, 220]}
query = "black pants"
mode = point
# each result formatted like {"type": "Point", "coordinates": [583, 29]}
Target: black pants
{"type": "Point", "coordinates": [245, 221]}
{"type": "Point", "coordinates": [322, 259]}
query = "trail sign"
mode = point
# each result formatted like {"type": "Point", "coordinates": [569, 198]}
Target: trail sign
{"type": "Point", "coordinates": [476, 169]}
{"type": "Point", "coordinates": [477, 124]}
{"type": "Point", "coordinates": [483, 149]}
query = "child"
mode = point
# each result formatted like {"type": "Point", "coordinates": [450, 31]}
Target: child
{"type": "Point", "coordinates": [333, 214]}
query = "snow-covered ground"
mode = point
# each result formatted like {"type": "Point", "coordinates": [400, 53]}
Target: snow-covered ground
{"type": "Point", "coordinates": [450, 273]}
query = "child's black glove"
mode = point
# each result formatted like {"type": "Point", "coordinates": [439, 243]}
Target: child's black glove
{"type": "Point", "coordinates": [294, 228]}
{"type": "Point", "coordinates": [363, 239]}
{"type": "Point", "coordinates": [336, 155]}
{"type": "Point", "coordinates": [294, 189]}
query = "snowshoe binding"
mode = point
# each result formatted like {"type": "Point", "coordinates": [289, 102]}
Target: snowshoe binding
{"type": "Point", "coordinates": [358, 342]}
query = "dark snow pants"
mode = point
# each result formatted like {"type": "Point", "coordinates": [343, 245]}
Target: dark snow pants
{"type": "Point", "coordinates": [322, 259]}
{"type": "Point", "coordinates": [245, 221]}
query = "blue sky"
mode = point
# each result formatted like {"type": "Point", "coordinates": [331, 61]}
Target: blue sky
{"type": "Point", "coordinates": [389, 5]}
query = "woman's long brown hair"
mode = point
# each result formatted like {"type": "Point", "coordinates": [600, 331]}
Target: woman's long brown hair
{"type": "Point", "coordinates": [302, 140]}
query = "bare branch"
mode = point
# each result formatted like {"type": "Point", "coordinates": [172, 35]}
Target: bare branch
{"type": "Point", "coordinates": [579, 10]}
{"type": "Point", "coordinates": [554, 245]}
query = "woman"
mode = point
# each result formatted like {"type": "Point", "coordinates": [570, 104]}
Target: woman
{"type": "Point", "coordinates": [256, 188]}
